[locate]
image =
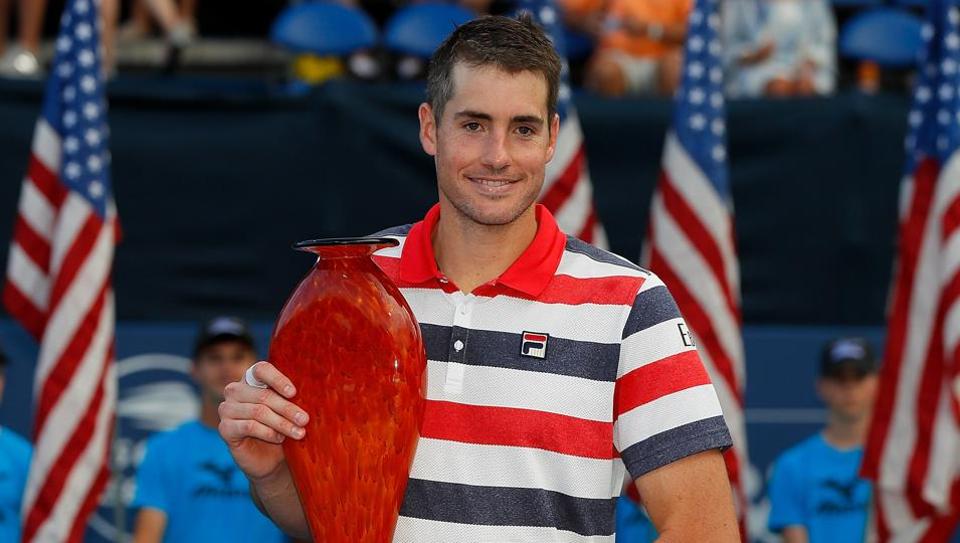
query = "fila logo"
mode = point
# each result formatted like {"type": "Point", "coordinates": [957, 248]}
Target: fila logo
{"type": "Point", "coordinates": [534, 345]}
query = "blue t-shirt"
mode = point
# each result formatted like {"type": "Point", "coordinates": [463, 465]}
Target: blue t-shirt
{"type": "Point", "coordinates": [188, 474]}
{"type": "Point", "coordinates": [14, 464]}
{"type": "Point", "coordinates": [815, 485]}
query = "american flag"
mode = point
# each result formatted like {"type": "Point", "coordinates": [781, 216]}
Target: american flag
{"type": "Point", "coordinates": [58, 285]}
{"type": "Point", "coordinates": [690, 237]}
{"type": "Point", "coordinates": [567, 190]}
{"type": "Point", "coordinates": [913, 448]}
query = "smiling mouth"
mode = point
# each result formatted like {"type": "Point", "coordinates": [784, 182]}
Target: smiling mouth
{"type": "Point", "coordinates": [492, 185]}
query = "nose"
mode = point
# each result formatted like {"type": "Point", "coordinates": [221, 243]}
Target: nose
{"type": "Point", "coordinates": [496, 156]}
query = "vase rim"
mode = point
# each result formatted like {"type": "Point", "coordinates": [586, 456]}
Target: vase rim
{"type": "Point", "coordinates": [308, 244]}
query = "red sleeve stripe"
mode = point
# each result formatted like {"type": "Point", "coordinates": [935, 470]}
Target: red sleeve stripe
{"type": "Point", "coordinates": [514, 427]}
{"type": "Point", "coordinates": [658, 379]}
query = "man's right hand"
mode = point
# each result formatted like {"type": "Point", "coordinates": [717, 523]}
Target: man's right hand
{"type": "Point", "coordinates": [255, 421]}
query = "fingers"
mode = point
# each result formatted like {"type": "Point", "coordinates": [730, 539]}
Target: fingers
{"type": "Point", "coordinates": [237, 430]}
{"type": "Point", "coordinates": [268, 374]}
{"type": "Point", "coordinates": [262, 414]}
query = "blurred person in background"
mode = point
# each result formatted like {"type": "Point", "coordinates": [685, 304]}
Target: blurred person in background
{"type": "Point", "coordinates": [815, 492]}
{"type": "Point", "coordinates": [188, 487]}
{"type": "Point", "coordinates": [15, 453]}
{"type": "Point", "coordinates": [639, 43]}
{"type": "Point", "coordinates": [20, 59]}
{"type": "Point", "coordinates": [779, 48]}
{"type": "Point", "coordinates": [178, 24]}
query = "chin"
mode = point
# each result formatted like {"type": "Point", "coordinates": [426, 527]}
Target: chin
{"type": "Point", "coordinates": [495, 212]}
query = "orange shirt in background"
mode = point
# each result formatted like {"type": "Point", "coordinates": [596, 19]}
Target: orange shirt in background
{"type": "Point", "coordinates": [662, 12]}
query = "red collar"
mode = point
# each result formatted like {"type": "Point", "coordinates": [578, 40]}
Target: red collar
{"type": "Point", "coordinates": [529, 274]}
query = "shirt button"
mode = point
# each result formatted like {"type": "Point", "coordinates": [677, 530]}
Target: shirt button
{"type": "Point", "coordinates": [458, 345]}
{"type": "Point", "coordinates": [464, 310]}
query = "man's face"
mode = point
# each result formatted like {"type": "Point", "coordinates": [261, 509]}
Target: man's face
{"type": "Point", "coordinates": [219, 364]}
{"type": "Point", "coordinates": [492, 144]}
{"type": "Point", "coordinates": [849, 396]}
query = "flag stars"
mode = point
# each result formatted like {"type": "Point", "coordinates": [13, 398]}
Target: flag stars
{"type": "Point", "coordinates": [65, 70]}
{"type": "Point", "coordinates": [71, 145]}
{"type": "Point", "coordinates": [949, 66]}
{"type": "Point", "coordinates": [548, 16]}
{"type": "Point", "coordinates": [69, 93]}
{"type": "Point", "coordinates": [915, 118]}
{"type": "Point", "coordinates": [83, 31]}
{"type": "Point", "coordinates": [90, 111]}
{"type": "Point", "coordinates": [946, 92]}
{"type": "Point", "coordinates": [96, 189]}
{"type": "Point", "coordinates": [695, 70]}
{"type": "Point", "coordinates": [713, 21]}
{"type": "Point", "coordinates": [926, 32]}
{"type": "Point", "coordinates": [718, 127]}
{"type": "Point", "coordinates": [94, 164]}
{"type": "Point", "coordinates": [86, 58]}
{"type": "Point", "coordinates": [69, 119]}
{"type": "Point", "coordinates": [696, 44]}
{"type": "Point", "coordinates": [942, 143]}
{"type": "Point", "coordinates": [72, 170]}
{"type": "Point", "coordinates": [697, 96]}
{"type": "Point", "coordinates": [715, 48]}
{"type": "Point", "coordinates": [88, 84]}
{"type": "Point", "coordinates": [952, 41]}
{"type": "Point", "coordinates": [716, 75]}
{"type": "Point", "coordinates": [64, 43]}
{"type": "Point", "coordinates": [81, 6]}
{"type": "Point", "coordinates": [696, 17]}
{"type": "Point", "coordinates": [697, 122]}
{"type": "Point", "coordinates": [716, 100]}
{"type": "Point", "coordinates": [719, 153]}
{"type": "Point", "coordinates": [92, 137]}
{"type": "Point", "coordinates": [943, 117]}
{"type": "Point", "coordinates": [953, 15]}
{"type": "Point", "coordinates": [923, 94]}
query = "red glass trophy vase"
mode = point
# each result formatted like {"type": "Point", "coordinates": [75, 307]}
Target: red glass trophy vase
{"type": "Point", "coordinates": [351, 345]}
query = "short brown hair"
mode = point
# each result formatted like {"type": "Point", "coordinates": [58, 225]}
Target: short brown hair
{"type": "Point", "coordinates": [512, 45]}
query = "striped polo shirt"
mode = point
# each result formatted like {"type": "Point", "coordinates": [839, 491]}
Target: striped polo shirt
{"type": "Point", "coordinates": [545, 387]}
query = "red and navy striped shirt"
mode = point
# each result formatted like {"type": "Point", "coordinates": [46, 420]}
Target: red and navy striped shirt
{"type": "Point", "coordinates": [546, 387]}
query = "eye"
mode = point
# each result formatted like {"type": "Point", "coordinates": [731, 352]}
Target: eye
{"type": "Point", "coordinates": [526, 131]}
{"type": "Point", "coordinates": [472, 126]}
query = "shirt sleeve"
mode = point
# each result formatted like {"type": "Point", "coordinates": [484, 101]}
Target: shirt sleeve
{"type": "Point", "coordinates": [786, 497]}
{"type": "Point", "coordinates": [665, 406]}
{"type": "Point", "coordinates": [150, 491]}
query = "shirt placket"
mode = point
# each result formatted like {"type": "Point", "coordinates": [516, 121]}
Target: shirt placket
{"type": "Point", "coordinates": [457, 351]}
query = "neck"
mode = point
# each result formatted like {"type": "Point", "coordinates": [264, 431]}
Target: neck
{"type": "Point", "coordinates": [472, 254]}
{"type": "Point", "coordinates": [209, 413]}
{"type": "Point", "coordinates": [846, 433]}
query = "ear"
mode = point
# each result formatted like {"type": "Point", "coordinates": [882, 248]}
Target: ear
{"type": "Point", "coordinates": [554, 132]}
{"type": "Point", "coordinates": [428, 129]}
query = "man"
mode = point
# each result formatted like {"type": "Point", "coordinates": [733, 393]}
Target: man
{"type": "Point", "coordinates": [639, 43]}
{"type": "Point", "coordinates": [552, 364]}
{"type": "Point", "coordinates": [15, 455]}
{"type": "Point", "coordinates": [815, 493]}
{"type": "Point", "coordinates": [188, 487]}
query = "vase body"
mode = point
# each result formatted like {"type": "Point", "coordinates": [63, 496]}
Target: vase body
{"type": "Point", "coordinates": [351, 345]}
